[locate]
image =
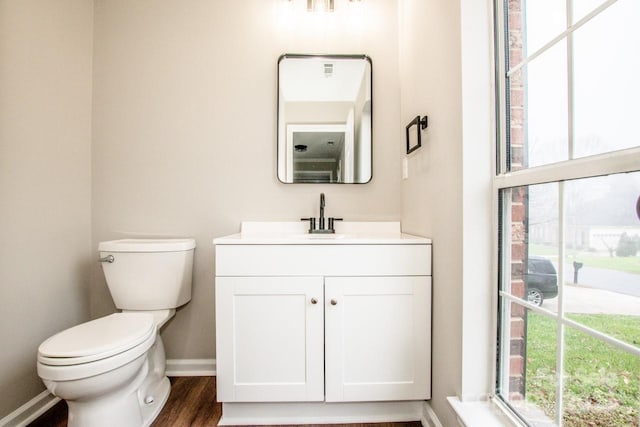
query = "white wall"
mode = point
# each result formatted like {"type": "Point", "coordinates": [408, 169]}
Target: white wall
{"type": "Point", "coordinates": [45, 182]}
{"type": "Point", "coordinates": [184, 120]}
{"type": "Point", "coordinates": [446, 73]}
{"type": "Point", "coordinates": [432, 196]}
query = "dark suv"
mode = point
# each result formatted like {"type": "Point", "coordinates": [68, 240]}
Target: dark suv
{"type": "Point", "coordinates": [541, 280]}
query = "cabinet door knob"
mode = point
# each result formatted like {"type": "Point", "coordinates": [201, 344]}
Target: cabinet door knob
{"type": "Point", "coordinates": [334, 301]}
{"type": "Point", "coordinates": [314, 300]}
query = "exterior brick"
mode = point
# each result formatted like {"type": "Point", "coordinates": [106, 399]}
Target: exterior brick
{"type": "Point", "coordinates": [515, 20]}
{"type": "Point", "coordinates": [517, 157]}
{"type": "Point", "coordinates": [517, 99]}
{"type": "Point", "coordinates": [517, 250]}
{"type": "Point", "coordinates": [516, 365]}
{"type": "Point", "coordinates": [515, 5]}
{"type": "Point", "coordinates": [517, 270]}
{"type": "Point", "coordinates": [518, 230]}
{"type": "Point", "coordinates": [517, 214]}
{"type": "Point", "coordinates": [516, 396]}
{"type": "Point", "coordinates": [516, 346]}
{"type": "Point", "coordinates": [517, 116]}
{"type": "Point", "coordinates": [516, 383]}
{"type": "Point", "coordinates": [517, 290]}
{"type": "Point", "coordinates": [517, 310]}
{"type": "Point", "coordinates": [517, 327]}
{"type": "Point", "coordinates": [515, 56]}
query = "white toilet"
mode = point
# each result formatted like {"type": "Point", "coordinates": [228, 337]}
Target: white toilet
{"type": "Point", "coordinates": [111, 371]}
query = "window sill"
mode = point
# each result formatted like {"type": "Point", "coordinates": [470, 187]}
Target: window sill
{"type": "Point", "coordinates": [480, 413]}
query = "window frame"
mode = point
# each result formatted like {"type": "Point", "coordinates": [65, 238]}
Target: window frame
{"type": "Point", "coordinates": [505, 179]}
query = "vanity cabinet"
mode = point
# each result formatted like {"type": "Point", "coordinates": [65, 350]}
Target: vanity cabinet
{"type": "Point", "coordinates": [277, 335]}
{"type": "Point", "coordinates": [327, 321]}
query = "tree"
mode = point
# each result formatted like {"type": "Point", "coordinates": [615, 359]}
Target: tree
{"type": "Point", "coordinates": [627, 245]}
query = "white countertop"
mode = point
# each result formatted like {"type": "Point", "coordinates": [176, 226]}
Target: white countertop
{"type": "Point", "coordinates": [296, 233]}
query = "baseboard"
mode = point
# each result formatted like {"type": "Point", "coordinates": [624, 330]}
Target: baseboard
{"type": "Point", "coordinates": [429, 417]}
{"type": "Point", "coordinates": [191, 367]}
{"type": "Point", "coordinates": [31, 410]}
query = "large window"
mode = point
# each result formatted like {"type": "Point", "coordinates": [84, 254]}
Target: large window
{"type": "Point", "coordinates": [568, 185]}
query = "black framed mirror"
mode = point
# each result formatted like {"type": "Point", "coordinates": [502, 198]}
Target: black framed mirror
{"type": "Point", "coordinates": [324, 119]}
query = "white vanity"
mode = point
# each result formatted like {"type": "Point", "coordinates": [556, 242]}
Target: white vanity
{"type": "Point", "coordinates": [322, 328]}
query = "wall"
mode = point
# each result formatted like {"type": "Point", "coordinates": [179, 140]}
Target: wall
{"type": "Point", "coordinates": [431, 197]}
{"type": "Point", "coordinates": [446, 74]}
{"type": "Point", "coordinates": [184, 117]}
{"type": "Point", "coordinates": [45, 175]}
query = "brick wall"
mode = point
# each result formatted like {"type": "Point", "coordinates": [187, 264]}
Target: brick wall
{"type": "Point", "coordinates": [517, 115]}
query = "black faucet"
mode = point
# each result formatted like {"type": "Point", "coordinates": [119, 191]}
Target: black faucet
{"type": "Point", "coordinates": [321, 221]}
{"type": "Point", "coordinates": [321, 217]}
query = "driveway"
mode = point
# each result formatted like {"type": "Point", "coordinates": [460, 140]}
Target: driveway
{"type": "Point", "coordinates": [581, 299]}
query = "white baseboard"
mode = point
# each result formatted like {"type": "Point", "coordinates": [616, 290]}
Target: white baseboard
{"type": "Point", "coordinates": [31, 410]}
{"type": "Point", "coordinates": [191, 367]}
{"type": "Point", "coordinates": [429, 417]}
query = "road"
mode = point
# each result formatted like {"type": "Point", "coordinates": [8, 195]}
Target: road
{"type": "Point", "coordinates": [609, 280]}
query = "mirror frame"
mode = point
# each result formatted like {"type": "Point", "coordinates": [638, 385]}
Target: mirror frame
{"type": "Point", "coordinates": [328, 56]}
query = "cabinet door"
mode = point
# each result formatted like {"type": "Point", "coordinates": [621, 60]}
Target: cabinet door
{"type": "Point", "coordinates": [270, 339]}
{"type": "Point", "coordinates": [377, 338]}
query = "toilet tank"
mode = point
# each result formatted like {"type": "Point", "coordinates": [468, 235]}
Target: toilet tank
{"type": "Point", "coordinates": [148, 274]}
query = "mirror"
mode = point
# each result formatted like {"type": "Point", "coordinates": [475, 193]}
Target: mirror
{"type": "Point", "coordinates": [324, 119]}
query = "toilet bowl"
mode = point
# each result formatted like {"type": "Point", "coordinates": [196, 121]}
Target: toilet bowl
{"type": "Point", "coordinates": [111, 370]}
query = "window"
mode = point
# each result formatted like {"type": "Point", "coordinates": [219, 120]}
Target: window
{"type": "Point", "coordinates": [568, 186]}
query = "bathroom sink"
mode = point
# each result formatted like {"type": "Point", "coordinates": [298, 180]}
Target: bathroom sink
{"type": "Point", "coordinates": [296, 233]}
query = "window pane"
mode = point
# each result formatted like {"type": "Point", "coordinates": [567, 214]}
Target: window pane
{"type": "Point", "coordinates": [600, 383]}
{"type": "Point", "coordinates": [531, 366]}
{"type": "Point", "coordinates": [538, 115]}
{"type": "Point", "coordinates": [583, 7]}
{"type": "Point", "coordinates": [606, 69]}
{"type": "Point", "coordinates": [602, 261]}
{"type": "Point", "coordinates": [544, 20]}
{"type": "Point", "coordinates": [546, 114]}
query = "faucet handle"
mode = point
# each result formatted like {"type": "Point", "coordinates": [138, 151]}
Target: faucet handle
{"type": "Point", "coordinates": [331, 220]}
{"type": "Point", "coordinates": [312, 223]}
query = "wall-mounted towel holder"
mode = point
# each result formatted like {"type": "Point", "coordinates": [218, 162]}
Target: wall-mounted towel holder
{"type": "Point", "coordinates": [415, 142]}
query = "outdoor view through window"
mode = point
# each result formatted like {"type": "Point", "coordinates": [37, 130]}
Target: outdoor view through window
{"type": "Point", "coordinates": [568, 183]}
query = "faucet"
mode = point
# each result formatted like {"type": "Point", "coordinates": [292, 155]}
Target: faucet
{"type": "Point", "coordinates": [321, 217]}
{"type": "Point", "coordinates": [321, 221]}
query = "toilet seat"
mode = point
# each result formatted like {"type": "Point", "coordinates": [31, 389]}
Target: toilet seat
{"type": "Point", "coordinates": [96, 346]}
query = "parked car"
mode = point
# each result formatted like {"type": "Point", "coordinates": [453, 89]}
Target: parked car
{"type": "Point", "coordinates": [541, 280]}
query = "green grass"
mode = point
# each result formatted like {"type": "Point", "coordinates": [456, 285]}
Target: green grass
{"type": "Point", "coordinates": [627, 264]}
{"type": "Point", "coordinates": [601, 383]}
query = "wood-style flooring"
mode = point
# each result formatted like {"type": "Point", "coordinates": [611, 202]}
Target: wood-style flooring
{"type": "Point", "coordinates": [192, 402]}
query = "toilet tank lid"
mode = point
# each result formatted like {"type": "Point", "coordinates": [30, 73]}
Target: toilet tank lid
{"type": "Point", "coordinates": [147, 245]}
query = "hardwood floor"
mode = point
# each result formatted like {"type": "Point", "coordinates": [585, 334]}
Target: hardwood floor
{"type": "Point", "coordinates": [192, 402]}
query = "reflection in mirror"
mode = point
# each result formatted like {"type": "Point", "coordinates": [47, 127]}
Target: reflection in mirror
{"type": "Point", "coordinates": [324, 119]}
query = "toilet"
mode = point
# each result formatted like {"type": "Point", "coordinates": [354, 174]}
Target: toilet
{"type": "Point", "coordinates": [111, 370]}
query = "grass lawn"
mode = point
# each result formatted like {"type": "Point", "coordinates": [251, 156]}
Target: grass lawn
{"type": "Point", "coordinates": [601, 383]}
{"type": "Point", "coordinates": [628, 264]}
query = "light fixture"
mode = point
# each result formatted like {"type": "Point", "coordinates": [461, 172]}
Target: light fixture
{"type": "Point", "coordinates": [320, 5]}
